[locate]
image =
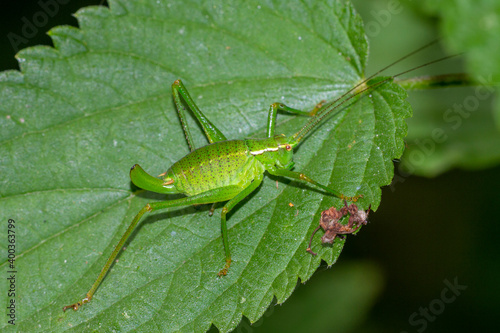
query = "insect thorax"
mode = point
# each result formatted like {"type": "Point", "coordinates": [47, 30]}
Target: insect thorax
{"type": "Point", "coordinates": [271, 151]}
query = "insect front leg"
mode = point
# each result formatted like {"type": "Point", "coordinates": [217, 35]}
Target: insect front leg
{"type": "Point", "coordinates": [300, 176]}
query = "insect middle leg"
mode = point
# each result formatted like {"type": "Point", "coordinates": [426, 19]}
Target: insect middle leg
{"type": "Point", "coordinates": [300, 176]}
{"type": "Point", "coordinates": [227, 207]}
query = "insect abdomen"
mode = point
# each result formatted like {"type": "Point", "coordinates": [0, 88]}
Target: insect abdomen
{"type": "Point", "coordinates": [213, 166]}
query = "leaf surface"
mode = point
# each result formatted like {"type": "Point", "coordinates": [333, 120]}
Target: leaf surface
{"type": "Point", "coordinates": [79, 115]}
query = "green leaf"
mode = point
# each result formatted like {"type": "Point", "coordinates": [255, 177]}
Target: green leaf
{"type": "Point", "coordinates": [469, 129]}
{"type": "Point", "coordinates": [79, 115]}
{"type": "Point", "coordinates": [336, 300]}
{"type": "Point", "coordinates": [451, 128]}
{"type": "Point", "coordinates": [472, 26]}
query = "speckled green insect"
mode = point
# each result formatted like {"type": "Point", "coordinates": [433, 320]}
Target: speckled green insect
{"type": "Point", "coordinates": [229, 170]}
{"type": "Point", "coordinates": [224, 170]}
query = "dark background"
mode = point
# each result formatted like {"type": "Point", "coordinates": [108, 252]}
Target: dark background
{"type": "Point", "coordinates": [425, 231]}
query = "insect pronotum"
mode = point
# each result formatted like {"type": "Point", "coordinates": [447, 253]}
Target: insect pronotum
{"type": "Point", "coordinates": [237, 166]}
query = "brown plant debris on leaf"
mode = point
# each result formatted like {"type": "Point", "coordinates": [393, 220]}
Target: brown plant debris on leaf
{"type": "Point", "coordinates": [329, 222]}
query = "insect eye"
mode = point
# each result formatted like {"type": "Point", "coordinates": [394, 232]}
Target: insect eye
{"type": "Point", "coordinates": [288, 147]}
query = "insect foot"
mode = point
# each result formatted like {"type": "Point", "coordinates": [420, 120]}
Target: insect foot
{"type": "Point", "coordinates": [353, 199]}
{"type": "Point", "coordinates": [223, 271]}
{"type": "Point", "coordinates": [317, 107]}
{"type": "Point", "coordinates": [329, 222]}
{"type": "Point", "coordinates": [76, 305]}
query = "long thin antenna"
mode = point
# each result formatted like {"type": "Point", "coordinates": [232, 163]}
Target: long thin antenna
{"type": "Point", "coordinates": [328, 108]}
